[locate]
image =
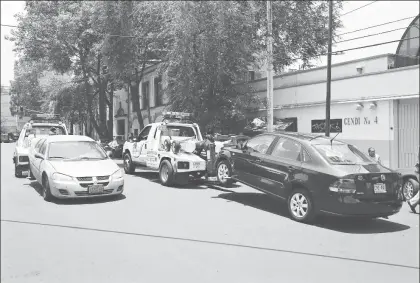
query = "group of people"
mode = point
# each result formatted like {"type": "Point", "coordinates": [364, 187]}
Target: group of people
{"type": "Point", "coordinates": [413, 202]}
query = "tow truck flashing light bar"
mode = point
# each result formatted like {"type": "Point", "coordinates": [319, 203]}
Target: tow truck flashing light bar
{"type": "Point", "coordinates": [45, 118]}
{"type": "Point", "coordinates": [177, 115]}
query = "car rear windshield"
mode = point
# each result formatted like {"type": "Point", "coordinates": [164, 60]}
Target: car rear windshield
{"type": "Point", "coordinates": [178, 131]}
{"type": "Point", "coordinates": [39, 131]}
{"type": "Point", "coordinates": [342, 154]}
{"type": "Point", "coordinates": [76, 150]}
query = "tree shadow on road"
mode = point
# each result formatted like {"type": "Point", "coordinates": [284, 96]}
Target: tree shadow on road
{"type": "Point", "coordinates": [340, 224]}
{"type": "Point", "coordinates": [103, 199]}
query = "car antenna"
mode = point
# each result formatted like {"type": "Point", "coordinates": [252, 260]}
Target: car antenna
{"type": "Point", "coordinates": [334, 138]}
{"type": "Point", "coordinates": [317, 137]}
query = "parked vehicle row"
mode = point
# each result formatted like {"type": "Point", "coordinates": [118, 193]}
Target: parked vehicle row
{"type": "Point", "coordinates": [313, 174]}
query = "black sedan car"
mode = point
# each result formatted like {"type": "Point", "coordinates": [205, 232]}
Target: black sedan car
{"type": "Point", "coordinates": [316, 174]}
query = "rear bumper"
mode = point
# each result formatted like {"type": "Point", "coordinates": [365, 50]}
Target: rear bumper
{"type": "Point", "coordinates": [343, 205]}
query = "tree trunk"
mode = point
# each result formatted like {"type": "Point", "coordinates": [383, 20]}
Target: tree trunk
{"type": "Point", "coordinates": [134, 91]}
{"type": "Point", "coordinates": [90, 106]}
{"type": "Point", "coordinates": [111, 112]}
{"type": "Point", "coordinates": [102, 105]}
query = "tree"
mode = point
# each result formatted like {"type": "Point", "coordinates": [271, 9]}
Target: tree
{"type": "Point", "coordinates": [135, 40]}
{"type": "Point", "coordinates": [62, 34]}
{"type": "Point", "coordinates": [215, 42]}
{"type": "Point", "coordinates": [25, 89]}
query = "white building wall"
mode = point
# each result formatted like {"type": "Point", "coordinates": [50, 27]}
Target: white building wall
{"type": "Point", "coordinates": [302, 95]}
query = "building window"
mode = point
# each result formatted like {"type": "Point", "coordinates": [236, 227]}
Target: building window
{"type": "Point", "coordinates": [158, 92]}
{"type": "Point", "coordinates": [145, 95]}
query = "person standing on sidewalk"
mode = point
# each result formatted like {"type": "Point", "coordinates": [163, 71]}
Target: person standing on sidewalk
{"type": "Point", "coordinates": [412, 203]}
{"type": "Point", "coordinates": [375, 157]}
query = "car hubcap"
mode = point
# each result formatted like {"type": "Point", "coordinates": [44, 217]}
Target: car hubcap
{"type": "Point", "coordinates": [127, 163]}
{"type": "Point", "coordinates": [299, 205]}
{"type": "Point", "coordinates": [223, 172]}
{"type": "Point", "coordinates": [408, 190]}
{"type": "Point", "coordinates": [164, 173]}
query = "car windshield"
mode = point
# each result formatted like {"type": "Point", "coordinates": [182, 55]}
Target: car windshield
{"type": "Point", "coordinates": [178, 131]}
{"type": "Point", "coordinates": [342, 154]}
{"type": "Point", "coordinates": [40, 131]}
{"type": "Point", "coordinates": [76, 150]}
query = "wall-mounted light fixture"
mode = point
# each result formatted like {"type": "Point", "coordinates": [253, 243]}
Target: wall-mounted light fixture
{"type": "Point", "coordinates": [373, 105]}
{"type": "Point", "coordinates": [359, 106]}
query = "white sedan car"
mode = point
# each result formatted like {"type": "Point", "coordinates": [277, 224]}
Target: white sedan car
{"type": "Point", "coordinates": [70, 166]}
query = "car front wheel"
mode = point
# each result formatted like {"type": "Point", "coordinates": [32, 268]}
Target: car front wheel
{"type": "Point", "coordinates": [410, 188]}
{"type": "Point", "coordinates": [46, 191]}
{"type": "Point", "coordinates": [128, 164]}
{"type": "Point", "coordinates": [300, 206]}
{"type": "Point", "coordinates": [224, 172]}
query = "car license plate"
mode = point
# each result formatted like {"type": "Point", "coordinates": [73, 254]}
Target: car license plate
{"type": "Point", "coordinates": [25, 172]}
{"type": "Point", "coordinates": [379, 188]}
{"type": "Point", "coordinates": [196, 165]}
{"type": "Point", "coordinates": [96, 189]}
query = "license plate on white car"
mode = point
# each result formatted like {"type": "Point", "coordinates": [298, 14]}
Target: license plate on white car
{"type": "Point", "coordinates": [25, 173]}
{"type": "Point", "coordinates": [96, 189]}
{"type": "Point", "coordinates": [379, 188]}
{"type": "Point", "coordinates": [196, 165]}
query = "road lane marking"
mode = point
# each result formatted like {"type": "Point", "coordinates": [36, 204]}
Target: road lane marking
{"type": "Point", "coordinates": [209, 242]}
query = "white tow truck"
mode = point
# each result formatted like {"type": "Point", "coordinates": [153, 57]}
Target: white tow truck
{"type": "Point", "coordinates": [39, 126]}
{"type": "Point", "coordinates": [173, 148]}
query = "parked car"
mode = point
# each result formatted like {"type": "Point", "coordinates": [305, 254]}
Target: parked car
{"type": "Point", "coordinates": [410, 182]}
{"type": "Point", "coordinates": [71, 166]}
{"type": "Point", "coordinates": [316, 174]}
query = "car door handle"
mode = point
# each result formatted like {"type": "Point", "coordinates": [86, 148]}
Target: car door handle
{"type": "Point", "coordinates": [291, 168]}
{"type": "Point", "coordinates": [257, 160]}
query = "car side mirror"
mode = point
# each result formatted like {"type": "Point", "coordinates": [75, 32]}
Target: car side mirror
{"type": "Point", "coordinates": [109, 153]}
{"type": "Point", "coordinates": [39, 156]}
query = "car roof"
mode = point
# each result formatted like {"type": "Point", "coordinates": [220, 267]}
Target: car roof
{"type": "Point", "coordinates": [64, 138]}
{"type": "Point", "coordinates": [308, 137]}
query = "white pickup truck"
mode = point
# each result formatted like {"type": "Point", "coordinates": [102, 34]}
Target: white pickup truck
{"type": "Point", "coordinates": [169, 148]}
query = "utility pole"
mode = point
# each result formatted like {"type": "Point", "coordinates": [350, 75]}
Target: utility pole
{"type": "Point", "coordinates": [328, 102]}
{"type": "Point", "coordinates": [270, 119]}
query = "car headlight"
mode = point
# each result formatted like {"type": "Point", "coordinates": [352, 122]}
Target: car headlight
{"type": "Point", "coordinates": [61, 177]}
{"type": "Point", "coordinates": [118, 174]}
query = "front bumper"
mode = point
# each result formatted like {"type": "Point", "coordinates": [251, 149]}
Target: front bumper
{"type": "Point", "coordinates": [76, 189]}
{"type": "Point", "coordinates": [347, 205]}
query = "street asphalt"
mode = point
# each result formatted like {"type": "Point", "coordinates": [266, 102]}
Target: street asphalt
{"type": "Point", "coordinates": [199, 233]}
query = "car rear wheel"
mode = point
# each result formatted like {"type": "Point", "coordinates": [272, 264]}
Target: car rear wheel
{"type": "Point", "coordinates": [128, 164]}
{"type": "Point", "coordinates": [46, 191]}
{"type": "Point", "coordinates": [300, 206]}
{"type": "Point", "coordinates": [224, 172]}
{"type": "Point", "coordinates": [410, 188]}
{"type": "Point", "coordinates": [166, 173]}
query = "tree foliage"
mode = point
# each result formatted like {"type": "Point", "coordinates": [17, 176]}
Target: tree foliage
{"type": "Point", "coordinates": [204, 47]}
{"type": "Point", "coordinates": [215, 42]}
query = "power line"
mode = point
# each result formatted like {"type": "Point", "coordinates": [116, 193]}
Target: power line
{"type": "Point", "coordinates": [9, 26]}
{"type": "Point", "coordinates": [359, 8]}
{"type": "Point", "coordinates": [369, 35]}
{"type": "Point", "coordinates": [355, 48]}
{"type": "Point", "coordinates": [383, 24]}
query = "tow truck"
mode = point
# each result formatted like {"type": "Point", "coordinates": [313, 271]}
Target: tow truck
{"type": "Point", "coordinates": [37, 127]}
{"type": "Point", "coordinates": [175, 148]}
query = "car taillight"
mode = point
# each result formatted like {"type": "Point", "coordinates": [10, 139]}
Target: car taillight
{"type": "Point", "coordinates": [344, 186]}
